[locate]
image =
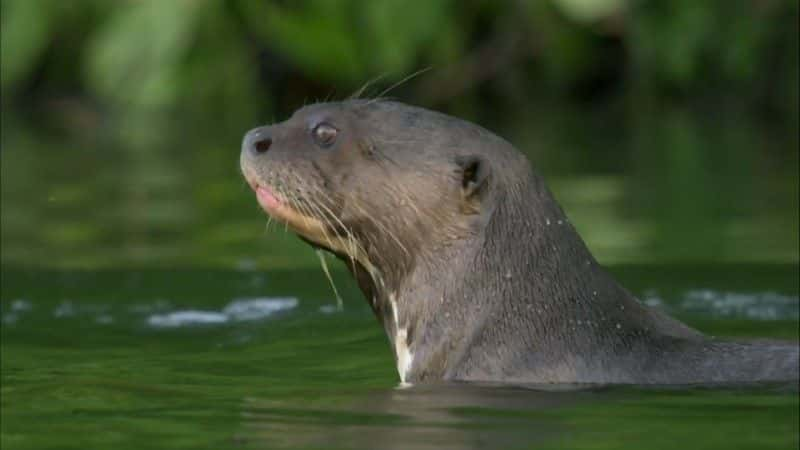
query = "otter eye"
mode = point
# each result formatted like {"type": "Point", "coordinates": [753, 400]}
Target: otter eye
{"type": "Point", "coordinates": [324, 134]}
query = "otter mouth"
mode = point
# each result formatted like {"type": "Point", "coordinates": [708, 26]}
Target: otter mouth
{"type": "Point", "coordinates": [309, 228]}
{"type": "Point", "coordinates": [272, 204]}
{"type": "Point", "coordinates": [282, 210]}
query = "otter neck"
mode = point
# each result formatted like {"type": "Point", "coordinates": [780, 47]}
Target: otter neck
{"type": "Point", "coordinates": [401, 293]}
{"type": "Point", "coordinates": [436, 312]}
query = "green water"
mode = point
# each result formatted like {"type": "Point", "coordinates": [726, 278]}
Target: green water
{"type": "Point", "coordinates": [96, 374]}
{"type": "Point", "coordinates": [116, 245]}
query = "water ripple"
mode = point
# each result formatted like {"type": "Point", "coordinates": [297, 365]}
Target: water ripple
{"type": "Point", "coordinates": [749, 305]}
{"type": "Point", "coordinates": [239, 310]}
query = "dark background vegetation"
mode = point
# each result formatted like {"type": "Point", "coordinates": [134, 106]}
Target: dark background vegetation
{"type": "Point", "coordinates": [669, 129]}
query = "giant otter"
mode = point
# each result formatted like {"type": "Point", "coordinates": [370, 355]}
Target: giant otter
{"type": "Point", "coordinates": [467, 260]}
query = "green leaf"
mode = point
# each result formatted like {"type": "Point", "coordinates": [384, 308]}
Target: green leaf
{"type": "Point", "coordinates": [26, 26]}
{"type": "Point", "coordinates": [318, 37]}
{"type": "Point", "coordinates": [134, 58]}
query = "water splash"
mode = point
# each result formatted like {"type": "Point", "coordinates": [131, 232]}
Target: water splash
{"type": "Point", "coordinates": [749, 305]}
{"type": "Point", "coordinates": [184, 318]}
{"type": "Point", "coordinates": [18, 307]}
{"type": "Point", "coordinates": [245, 309]}
{"type": "Point", "coordinates": [239, 310]}
{"type": "Point", "coordinates": [758, 306]}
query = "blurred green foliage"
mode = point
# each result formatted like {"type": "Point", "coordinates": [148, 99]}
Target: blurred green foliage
{"type": "Point", "coordinates": [261, 57]}
{"type": "Point", "coordinates": [667, 129]}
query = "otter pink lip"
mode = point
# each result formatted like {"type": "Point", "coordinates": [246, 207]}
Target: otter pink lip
{"type": "Point", "coordinates": [267, 199]}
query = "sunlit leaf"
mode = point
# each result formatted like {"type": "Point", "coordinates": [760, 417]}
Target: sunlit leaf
{"type": "Point", "coordinates": [135, 57]}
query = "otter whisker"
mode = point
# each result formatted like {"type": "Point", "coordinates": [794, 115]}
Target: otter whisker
{"type": "Point", "coordinates": [357, 94]}
{"type": "Point", "coordinates": [398, 84]}
{"type": "Point", "coordinates": [351, 236]}
{"type": "Point", "coordinates": [311, 210]}
{"type": "Point", "coordinates": [351, 245]}
{"type": "Point", "coordinates": [297, 204]}
{"type": "Point", "coordinates": [306, 208]}
{"type": "Point", "coordinates": [339, 302]}
{"type": "Point", "coordinates": [383, 227]}
{"type": "Point", "coordinates": [354, 248]}
{"type": "Point", "coordinates": [283, 194]}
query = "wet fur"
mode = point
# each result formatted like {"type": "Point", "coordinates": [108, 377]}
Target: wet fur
{"type": "Point", "coordinates": [490, 280]}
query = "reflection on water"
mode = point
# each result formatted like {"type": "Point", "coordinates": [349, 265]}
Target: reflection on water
{"type": "Point", "coordinates": [461, 416]}
{"type": "Point", "coordinates": [420, 417]}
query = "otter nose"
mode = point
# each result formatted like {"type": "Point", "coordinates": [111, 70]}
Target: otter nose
{"type": "Point", "coordinates": [258, 141]}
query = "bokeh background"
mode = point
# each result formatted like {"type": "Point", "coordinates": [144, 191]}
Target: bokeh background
{"type": "Point", "coordinates": [667, 129]}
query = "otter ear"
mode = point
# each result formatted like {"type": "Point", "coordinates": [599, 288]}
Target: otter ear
{"type": "Point", "coordinates": [474, 174]}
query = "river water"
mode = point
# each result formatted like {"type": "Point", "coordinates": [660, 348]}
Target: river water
{"type": "Point", "coordinates": [145, 305]}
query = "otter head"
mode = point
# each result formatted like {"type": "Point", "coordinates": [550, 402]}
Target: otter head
{"type": "Point", "coordinates": [378, 183]}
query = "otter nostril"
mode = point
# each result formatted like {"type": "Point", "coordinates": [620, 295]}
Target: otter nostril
{"type": "Point", "coordinates": [262, 145]}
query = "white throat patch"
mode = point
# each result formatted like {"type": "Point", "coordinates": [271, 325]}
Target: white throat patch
{"type": "Point", "coordinates": [403, 354]}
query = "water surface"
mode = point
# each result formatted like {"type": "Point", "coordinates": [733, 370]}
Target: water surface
{"type": "Point", "coordinates": [264, 360]}
{"type": "Point", "coordinates": [143, 304]}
